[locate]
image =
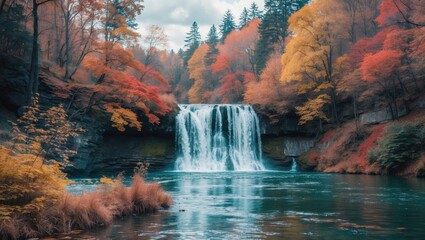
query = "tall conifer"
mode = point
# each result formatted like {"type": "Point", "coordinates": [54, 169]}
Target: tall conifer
{"type": "Point", "coordinates": [227, 25]}
{"type": "Point", "coordinates": [192, 42]}
{"type": "Point", "coordinates": [273, 28]}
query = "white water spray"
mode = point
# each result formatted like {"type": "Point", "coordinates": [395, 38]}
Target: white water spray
{"type": "Point", "coordinates": [218, 138]}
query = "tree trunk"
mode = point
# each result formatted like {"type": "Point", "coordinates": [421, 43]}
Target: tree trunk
{"type": "Point", "coordinates": [92, 97]}
{"type": "Point", "coordinates": [391, 111]}
{"type": "Point", "coordinates": [395, 97]}
{"type": "Point", "coordinates": [355, 114]}
{"type": "Point", "coordinates": [320, 125]}
{"type": "Point", "coordinates": [32, 86]}
{"type": "Point", "coordinates": [58, 57]}
{"type": "Point", "coordinates": [84, 51]}
{"type": "Point", "coordinates": [67, 47]}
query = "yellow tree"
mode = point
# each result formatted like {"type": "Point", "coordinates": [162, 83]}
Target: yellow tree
{"type": "Point", "coordinates": [119, 20]}
{"type": "Point", "coordinates": [196, 67]}
{"type": "Point", "coordinates": [310, 57]}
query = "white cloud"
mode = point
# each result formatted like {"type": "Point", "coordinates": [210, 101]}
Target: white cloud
{"type": "Point", "coordinates": [176, 16]}
{"type": "Point", "coordinates": [179, 13]}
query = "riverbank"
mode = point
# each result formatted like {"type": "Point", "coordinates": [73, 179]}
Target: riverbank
{"type": "Point", "coordinates": [348, 149]}
{"type": "Point", "coordinates": [68, 212]}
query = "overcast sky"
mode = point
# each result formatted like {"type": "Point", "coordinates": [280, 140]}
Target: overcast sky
{"type": "Point", "coordinates": [176, 16]}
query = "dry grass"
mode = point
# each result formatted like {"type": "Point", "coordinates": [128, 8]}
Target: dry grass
{"type": "Point", "coordinates": [341, 151]}
{"type": "Point", "coordinates": [361, 156]}
{"type": "Point", "coordinates": [332, 150]}
{"type": "Point", "coordinates": [329, 135]}
{"type": "Point", "coordinates": [8, 228]}
{"type": "Point", "coordinates": [88, 210]}
{"type": "Point", "coordinates": [348, 158]}
{"type": "Point", "coordinates": [81, 212]}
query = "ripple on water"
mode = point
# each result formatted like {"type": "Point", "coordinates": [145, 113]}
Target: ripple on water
{"type": "Point", "coordinates": [278, 205]}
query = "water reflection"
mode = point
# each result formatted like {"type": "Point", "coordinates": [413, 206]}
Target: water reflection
{"type": "Point", "coordinates": [276, 205]}
{"type": "Point", "coordinates": [211, 204]}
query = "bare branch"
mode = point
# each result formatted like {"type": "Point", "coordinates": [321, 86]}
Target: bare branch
{"type": "Point", "coordinates": [406, 19]}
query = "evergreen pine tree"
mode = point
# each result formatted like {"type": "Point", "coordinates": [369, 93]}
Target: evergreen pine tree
{"type": "Point", "coordinates": [212, 41]}
{"type": "Point", "coordinates": [180, 52]}
{"type": "Point", "coordinates": [193, 40]}
{"type": "Point", "coordinates": [254, 12]}
{"type": "Point", "coordinates": [244, 18]}
{"type": "Point", "coordinates": [273, 28]}
{"type": "Point", "coordinates": [298, 4]}
{"type": "Point", "coordinates": [227, 25]}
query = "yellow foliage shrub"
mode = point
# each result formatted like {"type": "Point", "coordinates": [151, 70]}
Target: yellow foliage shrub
{"type": "Point", "coordinates": [33, 200]}
{"type": "Point", "coordinates": [122, 117]}
{"type": "Point", "coordinates": [27, 186]}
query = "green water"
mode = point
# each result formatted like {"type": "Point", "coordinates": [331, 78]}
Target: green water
{"type": "Point", "coordinates": [279, 205]}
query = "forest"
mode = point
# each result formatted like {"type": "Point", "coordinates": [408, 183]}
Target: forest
{"type": "Point", "coordinates": [73, 70]}
{"type": "Point", "coordinates": [310, 60]}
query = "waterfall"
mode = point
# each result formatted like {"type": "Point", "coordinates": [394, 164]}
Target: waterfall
{"type": "Point", "coordinates": [218, 138]}
{"type": "Point", "coordinates": [294, 165]}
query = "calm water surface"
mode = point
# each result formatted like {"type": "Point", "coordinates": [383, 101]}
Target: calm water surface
{"type": "Point", "coordinates": [278, 205]}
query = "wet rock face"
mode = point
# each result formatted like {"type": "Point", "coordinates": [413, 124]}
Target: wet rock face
{"type": "Point", "coordinates": [115, 154]}
{"type": "Point", "coordinates": [273, 151]}
{"type": "Point", "coordinates": [380, 116]}
{"type": "Point", "coordinates": [281, 150]}
{"type": "Point", "coordinates": [13, 82]}
{"type": "Point", "coordinates": [296, 146]}
{"type": "Point", "coordinates": [87, 145]}
{"type": "Point", "coordinates": [102, 150]}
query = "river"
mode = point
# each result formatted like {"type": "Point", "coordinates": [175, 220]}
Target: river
{"type": "Point", "coordinates": [278, 205]}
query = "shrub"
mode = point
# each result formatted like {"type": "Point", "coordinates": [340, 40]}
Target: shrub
{"type": "Point", "coordinates": [31, 177]}
{"type": "Point", "coordinates": [400, 144]}
{"type": "Point", "coordinates": [88, 210]}
{"type": "Point", "coordinates": [27, 186]}
{"type": "Point", "coordinates": [33, 201]}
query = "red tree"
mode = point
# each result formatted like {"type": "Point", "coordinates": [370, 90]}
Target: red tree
{"type": "Point", "coordinates": [382, 68]}
{"type": "Point", "coordinates": [234, 63]}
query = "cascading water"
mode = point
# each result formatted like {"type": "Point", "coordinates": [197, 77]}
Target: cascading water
{"type": "Point", "coordinates": [218, 138]}
{"type": "Point", "coordinates": [294, 165]}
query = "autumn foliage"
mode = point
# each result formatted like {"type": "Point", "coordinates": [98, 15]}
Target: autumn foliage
{"type": "Point", "coordinates": [368, 53]}
{"type": "Point", "coordinates": [66, 212]}
{"type": "Point", "coordinates": [331, 52]}
{"type": "Point", "coordinates": [390, 12]}
{"type": "Point", "coordinates": [197, 67]}
{"type": "Point", "coordinates": [224, 80]}
{"type": "Point", "coordinates": [31, 177]}
{"type": "Point", "coordinates": [361, 157]}
{"type": "Point", "coordinates": [33, 200]}
{"type": "Point", "coordinates": [84, 53]}
{"type": "Point", "coordinates": [118, 91]}
{"type": "Point", "coordinates": [380, 65]}
{"type": "Point", "coordinates": [279, 96]}
{"type": "Point", "coordinates": [368, 45]}
{"type": "Point", "coordinates": [90, 48]}
{"type": "Point", "coordinates": [233, 64]}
